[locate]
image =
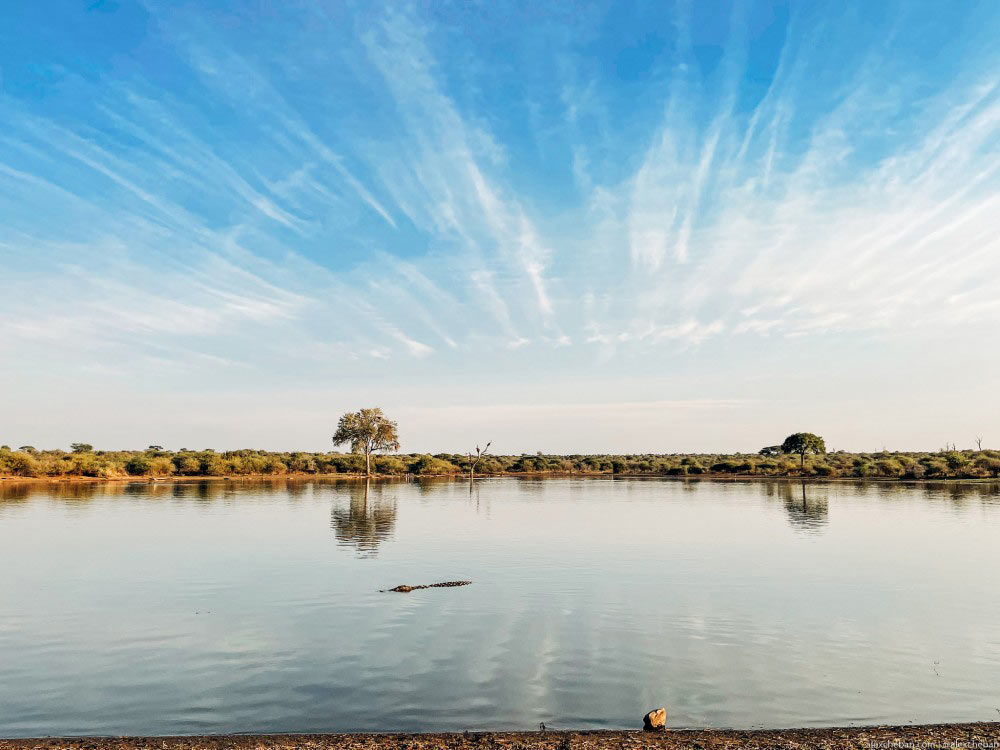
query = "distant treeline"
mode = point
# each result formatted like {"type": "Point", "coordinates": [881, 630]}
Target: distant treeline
{"type": "Point", "coordinates": [83, 461]}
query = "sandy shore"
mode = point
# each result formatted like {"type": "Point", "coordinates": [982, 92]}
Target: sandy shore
{"type": "Point", "coordinates": [926, 737]}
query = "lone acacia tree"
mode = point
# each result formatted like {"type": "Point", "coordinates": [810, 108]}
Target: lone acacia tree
{"type": "Point", "coordinates": [367, 430]}
{"type": "Point", "coordinates": [803, 443]}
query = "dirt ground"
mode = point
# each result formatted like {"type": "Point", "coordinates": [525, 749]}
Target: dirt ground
{"type": "Point", "coordinates": [981, 736]}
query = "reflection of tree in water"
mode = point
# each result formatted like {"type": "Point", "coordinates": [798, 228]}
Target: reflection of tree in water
{"type": "Point", "coordinates": [367, 521]}
{"type": "Point", "coordinates": [15, 491]}
{"type": "Point", "coordinates": [986, 492]}
{"type": "Point", "coordinates": [62, 491]}
{"type": "Point", "coordinates": [807, 511]}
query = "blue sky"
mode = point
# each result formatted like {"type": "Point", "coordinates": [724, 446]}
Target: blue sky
{"type": "Point", "coordinates": [611, 227]}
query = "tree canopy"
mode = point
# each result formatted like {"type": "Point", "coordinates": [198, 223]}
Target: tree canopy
{"type": "Point", "coordinates": [803, 443]}
{"type": "Point", "coordinates": [367, 431]}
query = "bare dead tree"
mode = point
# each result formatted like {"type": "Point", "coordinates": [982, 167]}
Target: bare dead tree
{"type": "Point", "coordinates": [474, 462]}
{"type": "Point", "coordinates": [979, 442]}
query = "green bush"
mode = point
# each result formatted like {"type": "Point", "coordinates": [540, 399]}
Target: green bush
{"type": "Point", "coordinates": [161, 466]}
{"type": "Point", "coordinates": [390, 465]}
{"type": "Point", "coordinates": [21, 464]}
{"type": "Point", "coordinates": [213, 466]}
{"type": "Point", "coordinates": [138, 466]}
{"type": "Point", "coordinates": [187, 465]}
{"type": "Point", "coordinates": [302, 463]}
{"type": "Point", "coordinates": [936, 467]}
{"type": "Point", "coordinates": [889, 467]}
{"type": "Point", "coordinates": [989, 465]}
{"type": "Point", "coordinates": [272, 465]}
{"type": "Point", "coordinates": [956, 461]}
{"type": "Point", "coordinates": [430, 465]}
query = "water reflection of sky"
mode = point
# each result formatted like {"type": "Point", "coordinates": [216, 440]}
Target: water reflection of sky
{"type": "Point", "coordinates": [244, 605]}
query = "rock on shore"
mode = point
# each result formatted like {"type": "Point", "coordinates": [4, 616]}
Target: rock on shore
{"type": "Point", "coordinates": [655, 720]}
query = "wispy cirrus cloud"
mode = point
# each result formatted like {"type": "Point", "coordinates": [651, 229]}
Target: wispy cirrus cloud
{"type": "Point", "coordinates": [375, 187]}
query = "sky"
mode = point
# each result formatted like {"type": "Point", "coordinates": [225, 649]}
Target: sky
{"type": "Point", "coordinates": [611, 227]}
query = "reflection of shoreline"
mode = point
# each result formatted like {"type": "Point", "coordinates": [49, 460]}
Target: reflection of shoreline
{"type": "Point", "coordinates": [460, 477]}
{"type": "Point", "coordinates": [182, 487]}
{"type": "Point", "coordinates": [187, 478]}
{"type": "Point", "coordinates": [235, 487]}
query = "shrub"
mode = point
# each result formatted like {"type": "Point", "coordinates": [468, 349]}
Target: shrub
{"type": "Point", "coordinates": [989, 465]}
{"type": "Point", "coordinates": [138, 466]}
{"type": "Point", "coordinates": [390, 465]}
{"type": "Point", "coordinates": [85, 465]}
{"type": "Point", "coordinates": [303, 464]}
{"type": "Point", "coordinates": [212, 466]}
{"type": "Point", "coordinates": [161, 466]}
{"type": "Point", "coordinates": [862, 469]}
{"type": "Point", "coordinates": [429, 465]}
{"type": "Point", "coordinates": [22, 464]}
{"type": "Point", "coordinates": [936, 467]}
{"type": "Point", "coordinates": [889, 467]}
{"type": "Point", "coordinates": [187, 465]}
{"type": "Point", "coordinates": [347, 463]}
{"type": "Point", "coordinates": [273, 466]}
{"type": "Point", "coordinates": [956, 461]}
{"type": "Point", "coordinates": [490, 465]}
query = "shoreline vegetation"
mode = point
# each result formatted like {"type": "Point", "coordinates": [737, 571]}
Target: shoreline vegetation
{"type": "Point", "coordinates": [971, 735]}
{"type": "Point", "coordinates": [84, 463]}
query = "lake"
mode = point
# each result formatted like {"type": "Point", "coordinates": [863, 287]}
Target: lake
{"type": "Point", "coordinates": [224, 606]}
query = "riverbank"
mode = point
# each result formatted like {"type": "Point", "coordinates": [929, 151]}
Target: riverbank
{"type": "Point", "coordinates": [155, 463]}
{"type": "Point", "coordinates": [926, 737]}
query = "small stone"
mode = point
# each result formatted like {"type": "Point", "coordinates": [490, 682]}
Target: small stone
{"type": "Point", "coordinates": [655, 720]}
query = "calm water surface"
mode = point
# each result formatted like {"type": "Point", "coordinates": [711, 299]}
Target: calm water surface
{"type": "Point", "coordinates": [253, 606]}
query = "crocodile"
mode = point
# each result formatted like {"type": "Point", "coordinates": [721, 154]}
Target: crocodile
{"type": "Point", "coordinates": [404, 589]}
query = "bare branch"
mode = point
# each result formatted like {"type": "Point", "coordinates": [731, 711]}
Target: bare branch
{"type": "Point", "coordinates": [474, 462]}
